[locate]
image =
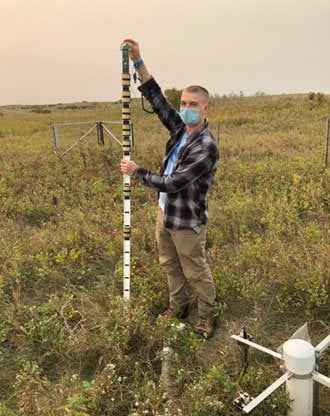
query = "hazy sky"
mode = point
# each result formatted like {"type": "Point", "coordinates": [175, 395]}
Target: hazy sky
{"type": "Point", "coordinates": [55, 51]}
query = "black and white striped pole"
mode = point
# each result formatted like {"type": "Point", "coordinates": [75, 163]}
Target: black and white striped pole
{"type": "Point", "coordinates": [126, 145]}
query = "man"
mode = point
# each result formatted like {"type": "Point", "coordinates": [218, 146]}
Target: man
{"type": "Point", "coordinates": [189, 166]}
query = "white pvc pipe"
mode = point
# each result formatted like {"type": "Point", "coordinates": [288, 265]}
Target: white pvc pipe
{"type": "Point", "coordinates": [262, 396]}
{"type": "Point", "coordinates": [301, 393]}
{"type": "Point", "coordinates": [299, 358]}
{"type": "Point", "coordinates": [320, 378]}
{"type": "Point", "coordinates": [257, 346]}
{"type": "Point", "coordinates": [325, 343]}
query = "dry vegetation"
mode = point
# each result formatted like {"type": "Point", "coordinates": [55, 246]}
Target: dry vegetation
{"type": "Point", "coordinates": [68, 344]}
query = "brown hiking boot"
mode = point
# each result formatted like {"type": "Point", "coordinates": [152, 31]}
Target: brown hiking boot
{"type": "Point", "coordinates": [179, 314]}
{"type": "Point", "coordinates": [205, 327]}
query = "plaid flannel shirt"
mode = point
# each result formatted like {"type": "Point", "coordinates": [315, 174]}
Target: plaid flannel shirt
{"type": "Point", "coordinates": [194, 169]}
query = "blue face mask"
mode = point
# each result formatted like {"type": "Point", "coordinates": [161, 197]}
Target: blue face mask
{"type": "Point", "coordinates": [189, 116]}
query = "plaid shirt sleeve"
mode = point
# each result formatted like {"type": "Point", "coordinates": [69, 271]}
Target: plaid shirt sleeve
{"type": "Point", "coordinates": [190, 166]}
{"type": "Point", "coordinates": [165, 111]}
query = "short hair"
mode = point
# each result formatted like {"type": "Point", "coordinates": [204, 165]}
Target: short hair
{"type": "Point", "coordinates": [197, 89]}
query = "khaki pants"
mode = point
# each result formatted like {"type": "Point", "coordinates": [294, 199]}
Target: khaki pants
{"type": "Point", "coordinates": [182, 256]}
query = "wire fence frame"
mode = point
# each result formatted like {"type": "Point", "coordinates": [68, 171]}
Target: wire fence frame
{"type": "Point", "coordinates": [100, 127]}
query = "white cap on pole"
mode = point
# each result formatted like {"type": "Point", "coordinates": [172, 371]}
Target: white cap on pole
{"type": "Point", "coordinates": [299, 356]}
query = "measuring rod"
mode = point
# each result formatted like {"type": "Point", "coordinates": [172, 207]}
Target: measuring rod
{"type": "Point", "coordinates": [126, 145]}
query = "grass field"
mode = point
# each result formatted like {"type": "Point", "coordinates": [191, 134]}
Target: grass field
{"type": "Point", "coordinates": [68, 344]}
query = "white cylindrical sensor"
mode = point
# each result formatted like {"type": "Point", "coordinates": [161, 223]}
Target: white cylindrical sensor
{"type": "Point", "coordinates": [299, 356]}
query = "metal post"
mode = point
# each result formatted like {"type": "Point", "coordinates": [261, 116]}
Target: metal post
{"type": "Point", "coordinates": [327, 141]}
{"type": "Point", "coordinates": [100, 134]}
{"type": "Point", "coordinates": [56, 139]}
{"type": "Point", "coordinates": [126, 144]}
